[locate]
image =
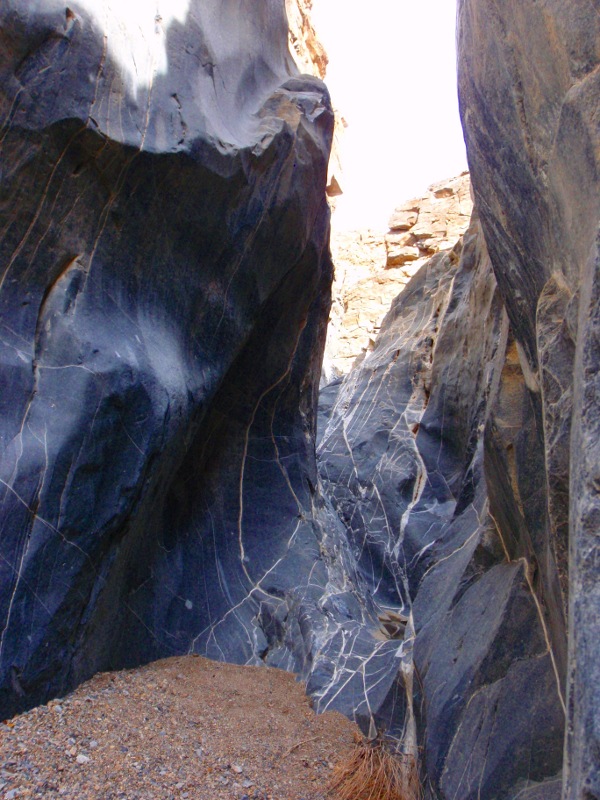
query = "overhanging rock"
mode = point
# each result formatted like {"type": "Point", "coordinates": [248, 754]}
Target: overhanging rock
{"type": "Point", "coordinates": [164, 292]}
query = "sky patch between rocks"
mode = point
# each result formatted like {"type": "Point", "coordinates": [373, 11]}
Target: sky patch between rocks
{"type": "Point", "coordinates": [392, 75]}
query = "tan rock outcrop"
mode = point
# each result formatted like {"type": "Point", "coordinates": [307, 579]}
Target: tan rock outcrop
{"type": "Point", "coordinates": [309, 53]}
{"type": "Point", "coordinates": [426, 225]}
{"type": "Point", "coordinates": [371, 267]}
{"type": "Point", "coordinates": [311, 58]}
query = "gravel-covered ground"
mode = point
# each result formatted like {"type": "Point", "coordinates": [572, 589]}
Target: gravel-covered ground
{"type": "Point", "coordinates": [180, 728]}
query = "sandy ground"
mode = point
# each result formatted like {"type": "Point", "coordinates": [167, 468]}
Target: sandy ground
{"type": "Point", "coordinates": [180, 728]}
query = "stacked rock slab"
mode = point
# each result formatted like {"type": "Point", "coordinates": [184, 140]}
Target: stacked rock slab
{"type": "Point", "coordinates": [308, 51]}
{"type": "Point", "coordinates": [371, 267]}
{"type": "Point", "coordinates": [424, 226]}
{"type": "Point", "coordinates": [164, 292]}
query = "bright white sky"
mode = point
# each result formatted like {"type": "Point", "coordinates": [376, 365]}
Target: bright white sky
{"type": "Point", "coordinates": [135, 33]}
{"type": "Point", "coordinates": [392, 75]}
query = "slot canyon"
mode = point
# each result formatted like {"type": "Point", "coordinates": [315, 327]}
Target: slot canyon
{"type": "Point", "coordinates": [403, 512]}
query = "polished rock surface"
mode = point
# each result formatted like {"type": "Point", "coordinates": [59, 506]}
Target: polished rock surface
{"type": "Point", "coordinates": [413, 455]}
{"type": "Point", "coordinates": [529, 88]}
{"type": "Point", "coordinates": [164, 291]}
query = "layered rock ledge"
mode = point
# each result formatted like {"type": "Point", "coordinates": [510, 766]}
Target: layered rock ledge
{"type": "Point", "coordinates": [372, 267]}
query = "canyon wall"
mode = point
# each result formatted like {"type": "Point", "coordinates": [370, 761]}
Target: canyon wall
{"type": "Point", "coordinates": [311, 58]}
{"type": "Point", "coordinates": [164, 297]}
{"type": "Point", "coordinates": [422, 453]}
{"type": "Point", "coordinates": [372, 267]}
{"type": "Point", "coordinates": [462, 452]}
{"type": "Point", "coordinates": [164, 293]}
{"type": "Point", "coordinates": [529, 86]}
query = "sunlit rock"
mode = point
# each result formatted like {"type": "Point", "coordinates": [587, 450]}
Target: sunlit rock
{"type": "Point", "coordinates": [372, 267]}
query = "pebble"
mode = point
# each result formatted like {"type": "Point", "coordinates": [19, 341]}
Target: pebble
{"type": "Point", "coordinates": [82, 759]}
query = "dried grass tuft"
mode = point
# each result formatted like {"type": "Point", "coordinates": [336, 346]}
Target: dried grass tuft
{"type": "Point", "coordinates": [375, 772]}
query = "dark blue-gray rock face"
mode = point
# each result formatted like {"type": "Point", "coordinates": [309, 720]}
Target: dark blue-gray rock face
{"type": "Point", "coordinates": [529, 88]}
{"type": "Point", "coordinates": [462, 453]}
{"type": "Point", "coordinates": [164, 285]}
{"type": "Point", "coordinates": [164, 291]}
{"type": "Point", "coordinates": [424, 454]}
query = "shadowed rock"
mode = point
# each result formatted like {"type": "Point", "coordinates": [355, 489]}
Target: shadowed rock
{"type": "Point", "coordinates": [163, 298]}
{"type": "Point", "coordinates": [529, 91]}
{"type": "Point", "coordinates": [408, 458]}
{"type": "Point", "coordinates": [462, 453]}
{"type": "Point", "coordinates": [164, 290]}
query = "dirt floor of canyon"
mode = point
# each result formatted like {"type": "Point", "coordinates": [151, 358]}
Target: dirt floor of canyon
{"type": "Point", "coordinates": [183, 728]}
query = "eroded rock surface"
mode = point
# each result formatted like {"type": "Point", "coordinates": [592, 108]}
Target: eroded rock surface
{"type": "Point", "coordinates": [412, 439]}
{"type": "Point", "coordinates": [462, 453]}
{"type": "Point", "coordinates": [311, 58]}
{"type": "Point", "coordinates": [424, 226]}
{"type": "Point", "coordinates": [164, 292]}
{"type": "Point", "coordinates": [529, 90]}
{"type": "Point", "coordinates": [306, 47]}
